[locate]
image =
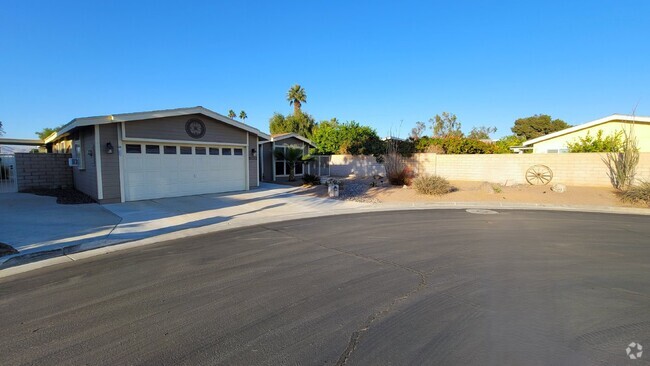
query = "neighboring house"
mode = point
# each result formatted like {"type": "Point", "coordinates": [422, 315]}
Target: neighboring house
{"type": "Point", "coordinates": [556, 142]}
{"type": "Point", "coordinates": [272, 169]}
{"type": "Point", "coordinates": [156, 154]}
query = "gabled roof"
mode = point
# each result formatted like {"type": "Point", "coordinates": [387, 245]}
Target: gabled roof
{"type": "Point", "coordinates": [139, 116]}
{"type": "Point", "coordinates": [283, 136]}
{"type": "Point", "coordinates": [613, 117]}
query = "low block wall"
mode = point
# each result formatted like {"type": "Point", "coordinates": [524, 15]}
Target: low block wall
{"type": "Point", "coordinates": [43, 171]}
{"type": "Point", "coordinates": [572, 169]}
{"type": "Point", "coordinates": [360, 165]}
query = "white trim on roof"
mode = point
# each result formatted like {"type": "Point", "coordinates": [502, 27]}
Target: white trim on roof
{"type": "Point", "coordinates": [613, 117]}
{"type": "Point", "coordinates": [139, 116]}
{"type": "Point", "coordinates": [294, 135]}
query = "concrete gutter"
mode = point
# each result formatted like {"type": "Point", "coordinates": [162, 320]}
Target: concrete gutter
{"type": "Point", "coordinates": [90, 250]}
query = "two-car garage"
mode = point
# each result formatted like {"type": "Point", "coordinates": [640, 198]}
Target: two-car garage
{"type": "Point", "coordinates": [163, 170]}
{"type": "Point", "coordinates": [157, 154]}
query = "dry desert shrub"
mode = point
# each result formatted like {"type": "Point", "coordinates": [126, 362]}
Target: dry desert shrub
{"type": "Point", "coordinates": [432, 185]}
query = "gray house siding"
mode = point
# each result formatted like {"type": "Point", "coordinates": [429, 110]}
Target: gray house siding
{"type": "Point", "coordinates": [173, 128]}
{"type": "Point", "coordinates": [267, 161]}
{"type": "Point", "coordinates": [110, 163]}
{"type": "Point", "coordinates": [85, 180]}
{"type": "Point", "coordinates": [290, 141]}
{"type": "Point", "coordinates": [252, 160]}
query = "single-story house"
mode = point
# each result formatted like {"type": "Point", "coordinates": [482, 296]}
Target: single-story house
{"type": "Point", "coordinates": [556, 142]}
{"type": "Point", "coordinates": [156, 154]}
{"type": "Point", "coordinates": [272, 169]}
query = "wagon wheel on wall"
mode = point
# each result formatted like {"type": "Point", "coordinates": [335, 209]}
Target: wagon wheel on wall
{"type": "Point", "coordinates": [539, 175]}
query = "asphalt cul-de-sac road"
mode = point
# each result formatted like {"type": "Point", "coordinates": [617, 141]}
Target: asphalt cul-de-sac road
{"type": "Point", "coordinates": [424, 287]}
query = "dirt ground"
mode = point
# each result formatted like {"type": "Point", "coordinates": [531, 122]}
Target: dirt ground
{"type": "Point", "coordinates": [360, 190]}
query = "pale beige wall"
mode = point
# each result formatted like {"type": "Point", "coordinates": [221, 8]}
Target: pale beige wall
{"type": "Point", "coordinates": [571, 169]}
{"type": "Point", "coordinates": [641, 131]}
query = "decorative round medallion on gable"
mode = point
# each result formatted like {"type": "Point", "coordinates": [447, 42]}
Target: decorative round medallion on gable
{"type": "Point", "coordinates": [195, 128]}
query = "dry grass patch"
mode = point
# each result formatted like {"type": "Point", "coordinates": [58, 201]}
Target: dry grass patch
{"type": "Point", "coordinates": [638, 194]}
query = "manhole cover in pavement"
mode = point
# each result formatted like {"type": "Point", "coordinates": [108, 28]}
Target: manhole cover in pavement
{"type": "Point", "coordinates": [481, 212]}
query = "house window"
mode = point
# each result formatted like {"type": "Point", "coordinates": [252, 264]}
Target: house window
{"type": "Point", "coordinates": [78, 153]}
{"type": "Point", "coordinates": [226, 151]}
{"type": "Point", "coordinates": [279, 167]}
{"type": "Point", "coordinates": [199, 150]}
{"type": "Point", "coordinates": [239, 151]}
{"type": "Point", "coordinates": [282, 167]}
{"type": "Point", "coordinates": [170, 150]}
{"type": "Point", "coordinates": [133, 149]}
{"type": "Point", "coordinates": [152, 149]}
{"type": "Point", "coordinates": [214, 151]}
{"type": "Point", "coordinates": [186, 150]}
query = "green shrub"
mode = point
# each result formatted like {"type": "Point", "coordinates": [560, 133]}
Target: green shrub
{"type": "Point", "coordinates": [311, 179]}
{"type": "Point", "coordinates": [454, 145]}
{"type": "Point", "coordinates": [638, 194]}
{"type": "Point", "coordinates": [432, 185]}
{"type": "Point", "coordinates": [599, 143]}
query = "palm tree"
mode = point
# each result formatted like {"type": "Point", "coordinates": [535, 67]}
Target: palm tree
{"type": "Point", "coordinates": [291, 157]}
{"type": "Point", "coordinates": [296, 96]}
{"type": "Point", "coordinates": [232, 114]}
{"type": "Point", "coordinates": [242, 115]}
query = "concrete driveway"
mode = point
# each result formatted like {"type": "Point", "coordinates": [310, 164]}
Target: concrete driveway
{"type": "Point", "coordinates": [38, 226]}
{"type": "Point", "coordinates": [33, 224]}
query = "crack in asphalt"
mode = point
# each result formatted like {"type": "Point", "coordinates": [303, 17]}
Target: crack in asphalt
{"type": "Point", "coordinates": [356, 336]}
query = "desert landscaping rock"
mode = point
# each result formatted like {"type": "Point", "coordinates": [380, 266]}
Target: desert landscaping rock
{"type": "Point", "coordinates": [558, 188]}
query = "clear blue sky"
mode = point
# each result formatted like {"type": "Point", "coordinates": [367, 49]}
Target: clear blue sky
{"type": "Point", "coordinates": [378, 63]}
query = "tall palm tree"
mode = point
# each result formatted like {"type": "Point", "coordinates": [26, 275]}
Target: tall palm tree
{"type": "Point", "coordinates": [291, 157]}
{"type": "Point", "coordinates": [232, 114]}
{"type": "Point", "coordinates": [296, 96]}
{"type": "Point", "coordinates": [242, 115]}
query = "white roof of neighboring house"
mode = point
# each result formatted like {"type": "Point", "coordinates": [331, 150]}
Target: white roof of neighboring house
{"type": "Point", "coordinates": [613, 117]}
{"type": "Point", "coordinates": [282, 136]}
{"type": "Point", "coordinates": [138, 116]}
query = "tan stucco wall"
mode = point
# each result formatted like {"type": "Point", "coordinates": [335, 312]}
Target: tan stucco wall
{"type": "Point", "coordinates": [641, 131]}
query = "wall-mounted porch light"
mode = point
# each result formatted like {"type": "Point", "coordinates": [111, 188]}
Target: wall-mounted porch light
{"type": "Point", "coordinates": [254, 152]}
{"type": "Point", "coordinates": [109, 148]}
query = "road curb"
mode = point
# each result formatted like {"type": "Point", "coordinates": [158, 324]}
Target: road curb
{"type": "Point", "coordinates": [68, 255]}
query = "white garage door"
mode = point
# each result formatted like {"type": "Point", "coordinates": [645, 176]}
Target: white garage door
{"type": "Point", "coordinates": [156, 171]}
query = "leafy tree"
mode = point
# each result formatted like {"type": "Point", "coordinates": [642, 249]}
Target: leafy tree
{"type": "Point", "coordinates": [292, 156]}
{"type": "Point", "coordinates": [232, 114]}
{"type": "Point", "coordinates": [537, 125]}
{"type": "Point", "coordinates": [418, 130]}
{"type": "Point", "coordinates": [302, 124]}
{"type": "Point", "coordinates": [445, 125]}
{"type": "Point", "coordinates": [599, 143]}
{"type": "Point", "coordinates": [44, 133]}
{"type": "Point", "coordinates": [296, 96]}
{"type": "Point", "coordinates": [332, 137]}
{"type": "Point", "coordinates": [453, 145]}
{"type": "Point", "coordinates": [2, 131]}
{"type": "Point", "coordinates": [243, 115]}
{"type": "Point", "coordinates": [503, 145]}
{"type": "Point", "coordinates": [481, 132]}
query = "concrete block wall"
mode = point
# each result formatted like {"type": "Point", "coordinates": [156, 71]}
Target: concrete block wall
{"type": "Point", "coordinates": [43, 171]}
{"type": "Point", "coordinates": [359, 165]}
{"type": "Point", "coordinates": [572, 169]}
